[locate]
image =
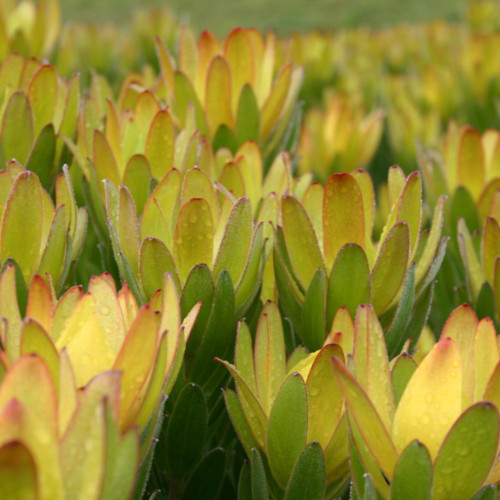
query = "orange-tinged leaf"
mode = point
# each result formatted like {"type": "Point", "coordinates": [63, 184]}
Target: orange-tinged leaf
{"type": "Point", "coordinates": [432, 400]}
{"type": "Point", "coordinates": [342, 331]}
{"type": "Point", "coordinates": [18, 474]}
{"type": "Point", "coordinates": [273, 106]}
{"type": "Point", "coordinates": [193, 240]}
{"type": "Point", "coordinates": [471, 164]}
{"type": "Point", "coordinates": [461, 326]}
{"type": "Point", "coordinates": [67, 392]}
{"type": "Point", "coordinates": [390, 268]}
{"type": "Point", "coordinates": [23, 205]}
{"type": "Point", "coordinates": [371, 427]}
{"type": "Point", "coordinates": [40, 303]}
{"type": "Point", "coordinates": [108, 311]}
{"type": "Point", "coordinates": [29, 384]}
{"type": "Point", "coordinates": [35, 340]}
{"type": "Point", "coordinates": [160, 144]}
{"type": "Point", "coordinates": [83, 470]}
{"type": "Point", "coordinates": [42, 94]}
{"type": "Point", "coordinates": [113, 133]}
{"type": "Point", "coordinates": [208, 48]}
{"type": "Point", "coordinates": [136, 358]}
{"type": "Point", "coordinates": [239, 55]}
{"type": "Point", "coordinates": [325, 400]}
{"type": "Point", "coordinates": [269, 356]}
{"type": "Point", "coordinates": [343, 216]}
{"type": "Point", "coordinates": [301, 242]}
{"type": "Point", "coordinates": [218, 95]}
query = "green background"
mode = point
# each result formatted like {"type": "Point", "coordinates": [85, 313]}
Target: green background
{"type": "Point", "coordinates": [280, 15]}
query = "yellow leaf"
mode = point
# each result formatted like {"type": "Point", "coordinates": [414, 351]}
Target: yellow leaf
{"type": "Point", "coordinates": [432, 400]}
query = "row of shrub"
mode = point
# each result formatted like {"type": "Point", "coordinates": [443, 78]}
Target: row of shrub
{"type": "Point", "coordinates": [190, 214]}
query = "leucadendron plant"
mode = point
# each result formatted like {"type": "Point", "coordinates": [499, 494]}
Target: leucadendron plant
{"type": "Point", "coordinates": [98, 331]}
{"type": "Point", "coordinates": [37, 109]}
{"type": "Point", "coordinates": [29, 28]}
{"type": "Point", "coordinates": [39, 236]}
{"type": "Point", "coordinates": [339, 137]}
{"type": "Point", "coordinates": [237, 91]}
{"type": "Point", "coordinates": [58, 441]}
{"type": "Point", "coordinates": [429, 431]}
{"type": "Point", "coordinates": [324, 246]}
{"type": "Point", "coordinates": [209, 243]}
{"type": "Point", "coordinates": [288, 413]}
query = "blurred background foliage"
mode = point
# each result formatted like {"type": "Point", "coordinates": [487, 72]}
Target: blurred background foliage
{"type": "Point", "coordinates": [283, 16]}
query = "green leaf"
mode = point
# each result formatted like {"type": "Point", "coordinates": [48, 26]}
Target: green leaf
{"type": "Point", "coordinates": [239, 421]}
{"type": "Point", "coordinates": [390, 267]}
{"type": "Point", "coordinates": [401, 373]}
{"type": "Point", "coordinates": [136, 177]}
{"type": "Point", "coordinates": [17, 129]}
{"type": "Point", "coordinates": [236, 241]}
{"type": "Point", "coordinates": [308, 478]}
{"type": "Point", "coordinates": [301, 242]}
{"type": "Point", "coordinates": [287, 296]}
{"type": "Point", "coordinates": [251, 280]}
{"type": "Point", "coordinates": [248, 117]}
{"type": "Point", "coordinates": [224, 138]}
{"type": "Point", "coordinates": [287, 428]}
{"type": "Point", "coordinates": [462, 206]}
{"type": "Point", "coordinates": [259, 482]}
{"type": "Point", "coordinates": [187, 426]}
{"type": "Point", "coordinates": [41, 158]}
{"type": "Point", "coordinates": [350, 266]}
{"type": "Point", "coordinates": [23, 209]}
{"type": "Point", "coordinates": [370, 491]}
{"type": "Point", "coordinates": [487, 493]}
{"type": "Point", "coordinates": [397, 334]}
{"type": "Point", "coordinates": [313, 313]}
{"type": "Point", "coordinates": [466, 455]}
{"type": "Point", "coordinates": [420, 315]}
{"type": "Point", "coordinates": [206, 480]}
{"type": "Point", "coordinates": [199, 286]}
{"type": "Point", "coordinates": [219, 336]}
{"type": "Point", "coordinates": [154, 261]}
{"type": "Point", "coordinates": [413, 474]}
{"type": "Point", "coordinates": [485, 304]}
{"type": "Point", "coordinates": [245, 483]}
